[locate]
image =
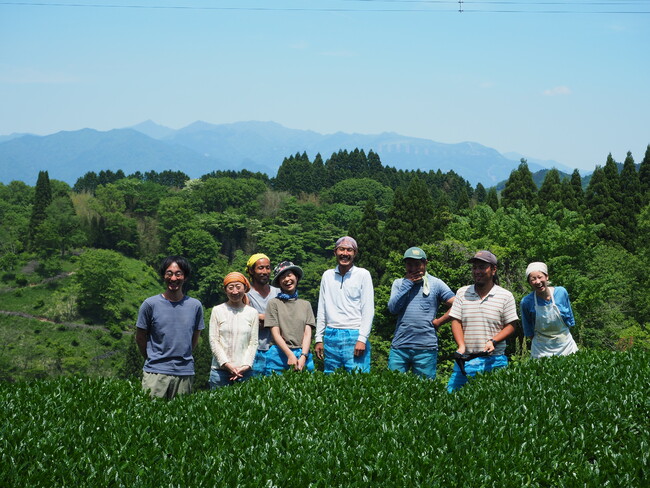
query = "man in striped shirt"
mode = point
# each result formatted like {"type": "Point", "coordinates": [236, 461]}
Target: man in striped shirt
{"type": "Point", "coordinates": [483, 316]}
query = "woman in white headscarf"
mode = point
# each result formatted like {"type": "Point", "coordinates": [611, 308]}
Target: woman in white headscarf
{"type": "Point", "coordinates": [546, 315]}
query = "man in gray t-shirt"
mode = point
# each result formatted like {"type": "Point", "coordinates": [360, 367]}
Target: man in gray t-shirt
{"type": "Point", "coordinates": [167, 331]}
{"type": "Point", "coordinates": [259, 270]}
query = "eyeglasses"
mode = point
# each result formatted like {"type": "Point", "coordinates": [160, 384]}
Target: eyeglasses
{"type": "Point", "coordinates": [178, 274]}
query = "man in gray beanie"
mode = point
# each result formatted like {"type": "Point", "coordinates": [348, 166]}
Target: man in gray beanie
{"type": "Point", "coordinates": [346, 307]}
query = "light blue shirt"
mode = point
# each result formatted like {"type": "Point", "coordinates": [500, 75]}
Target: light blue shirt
{"type": "Point", "coordinates": [528, 314]}
{"type": "Point", "coordinates": [415, 312]}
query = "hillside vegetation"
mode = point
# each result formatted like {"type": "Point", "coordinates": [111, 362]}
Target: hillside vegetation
{"type": "Point", "coordinates": [75, 263]}
{"type": "Point", "coordinates": [580, 420]}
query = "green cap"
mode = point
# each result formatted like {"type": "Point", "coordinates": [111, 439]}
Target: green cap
{"type": "Point", "coordinates": [415, 253]}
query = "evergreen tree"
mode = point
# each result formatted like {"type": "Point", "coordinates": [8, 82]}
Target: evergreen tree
{"type": "Point", "coordinates": [421, 212]}
{"type": "Point", "coordinates": [463, 201]}
{"type": "Point", "coordinates": [630, 197]}
{"type": "Point", "coordinates": [480, 194]}
{"type": "Point", "coordinates": [369, 239]}
{"type": "Point", "coordinates": [42, 199]}
{"type": "Point", "coordinates": [644, 177]}
{"type": "Point", "coordinates": [442, 217]}
{"type": "Point", "coordinates": [399, 226]}
{"type": "Point", "coordinates": [492, 199]}
{"type": "Point", "coordinates": [573, 196]}
{"type": "Point", "coordinates": [520, 190]}
{"type": "Point", "coordinates": [550, 192]}
{"type": "Point", "coordinates": [318, 174]}
{"type": "Point", "coordinates": [295, 175]}
{"type": "Point", "coordinates": [602, 203]}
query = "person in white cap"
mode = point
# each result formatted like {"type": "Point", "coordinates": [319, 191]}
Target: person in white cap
{"type": "Point", "coordinates": [346, 308]}
{"type": "Point", "coordinates": [483, 316]}
{"type": "Point", "coordinates": [546, 315]}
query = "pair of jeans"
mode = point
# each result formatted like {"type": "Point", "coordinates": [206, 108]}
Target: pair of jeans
{"type": "Point", "coordinates": [259, 364]}
{"type": "Point", "coordinates": [473, 367]}
{"type": "Point", "coordinates": [421, 362]}
{"type": "Point", "coordinates": [276, 360]}
{"type": "Point", "coordinates": [338, 345]}
{"type": "Point", "coordinates": [221, 377]}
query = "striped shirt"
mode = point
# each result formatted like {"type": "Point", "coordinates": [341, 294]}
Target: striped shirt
{"type": "Point", "coordinates": [482, 319]}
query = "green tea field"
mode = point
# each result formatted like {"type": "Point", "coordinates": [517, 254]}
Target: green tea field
{"type": "Point", "coordinates": [580, 420]}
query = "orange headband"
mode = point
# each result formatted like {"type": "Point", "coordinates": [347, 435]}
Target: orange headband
{"type": "Point", "coordinates": [236, 277]}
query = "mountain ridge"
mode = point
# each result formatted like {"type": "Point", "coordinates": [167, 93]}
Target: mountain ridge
{"type": "Point", "coordinates": [201, 147]}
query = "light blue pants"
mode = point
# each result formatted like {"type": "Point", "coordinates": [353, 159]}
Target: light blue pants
{"type": "Point", "coordinates": [421, 362]}
{"type": "Point", "coordinates": [472, 368]}
{"type": "Point", "coordinates": [259, 364]}
{"type": "Point", "coordinates": [276, 360]}
{"type": "Point", "coordinates": [338, 345]}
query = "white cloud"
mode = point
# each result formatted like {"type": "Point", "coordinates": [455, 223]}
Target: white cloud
{"type": "Point", "coordinates": [558, 90]}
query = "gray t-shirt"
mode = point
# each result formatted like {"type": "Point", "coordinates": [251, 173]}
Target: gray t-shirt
{"type": "Point", "coordinates": [171, 326]}
{"type": "Point", "coordinates": [259, 303]}
{"type": "Point", "coordinates": [291, 316]}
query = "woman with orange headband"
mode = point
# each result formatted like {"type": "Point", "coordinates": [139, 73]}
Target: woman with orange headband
{"type": "Point", "coordinates": [233, 334]}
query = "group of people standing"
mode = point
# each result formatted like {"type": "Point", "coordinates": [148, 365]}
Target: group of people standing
{"type": "Point", "coordinates": [265, 328]}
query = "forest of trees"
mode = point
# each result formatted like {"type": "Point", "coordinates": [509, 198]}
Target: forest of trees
{"type": "Point", "coordinates": [594, 239]}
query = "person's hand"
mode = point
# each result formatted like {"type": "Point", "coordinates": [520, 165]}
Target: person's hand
{"type": "Point", "coordinates": [359, 348]}
{"type": "Point", "coordinates": [489, 346]}
{"type": "Point", "coordinates": [292, 360]}
{"type": "Point", "coordinates": [302, 360]}
{"type": "Point", "coordinates": [414, 276]}
{"type": "Point", "coordinates": [436, 326]}
{"type": "Point", "coordinates": [241, 371]}
{"type": "Point", "coordinates": [232, 369]}
{"type": "Point", "coordinates": [461, 349]}
{"type": "Point", "coordinates": [318, 349]}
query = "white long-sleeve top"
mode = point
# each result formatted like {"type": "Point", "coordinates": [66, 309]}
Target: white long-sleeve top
{"type": "Point", "coordinates": [233, 335]}
{"type": "Point", "coordinates": [346, 302]}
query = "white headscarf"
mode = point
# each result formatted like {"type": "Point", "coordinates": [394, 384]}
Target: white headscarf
{"type": "Point", "coordinates": [536, 266]}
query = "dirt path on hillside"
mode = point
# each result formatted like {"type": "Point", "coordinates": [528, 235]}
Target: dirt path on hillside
{"type": "Point", "coordinates": [65, 324]}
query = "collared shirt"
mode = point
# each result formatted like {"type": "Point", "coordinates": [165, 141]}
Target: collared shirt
{"type": "Point", "coordinates": [415, 312]}
{"type": "Point", "coordinates": [346, 302]}
{"type": "Point", "coordinates": [482, 319]}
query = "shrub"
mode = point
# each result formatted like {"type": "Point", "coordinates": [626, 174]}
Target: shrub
{"type": "Point", "coordinates": [572, 421]}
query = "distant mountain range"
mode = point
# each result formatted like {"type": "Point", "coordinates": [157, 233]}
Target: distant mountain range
{"type": "Point", "coordinates": [201, 148]}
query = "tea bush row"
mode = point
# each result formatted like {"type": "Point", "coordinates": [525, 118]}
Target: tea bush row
{"type": "Point", "coordinates": [572, 421]}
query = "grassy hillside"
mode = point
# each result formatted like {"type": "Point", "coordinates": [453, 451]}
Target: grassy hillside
{"type": "Point", "coordinates": [573, 421]}
{"type": "Point", "coordinates": [42, 334]}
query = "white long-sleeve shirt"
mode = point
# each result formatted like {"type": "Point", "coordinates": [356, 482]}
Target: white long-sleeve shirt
{"type": "Point", "coordinates": [233, 335]}
{"type": "Point", "coordinates": [346, 302]}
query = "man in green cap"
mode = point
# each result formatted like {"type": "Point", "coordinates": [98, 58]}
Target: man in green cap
{"type": "Point", "coordinates": [415, 299]}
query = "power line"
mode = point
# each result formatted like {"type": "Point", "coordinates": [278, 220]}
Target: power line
{"type": "Point", "coordinates": [453, 5]}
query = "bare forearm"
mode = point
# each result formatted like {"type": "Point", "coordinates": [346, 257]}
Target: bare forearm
{"type": "Point", "coordinates": [141, 338]}
{"type": "Point", "coordinates": [457, 331]}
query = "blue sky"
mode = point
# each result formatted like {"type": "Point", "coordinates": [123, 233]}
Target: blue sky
{"type": "Point", "coordinates": [563, 80]}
